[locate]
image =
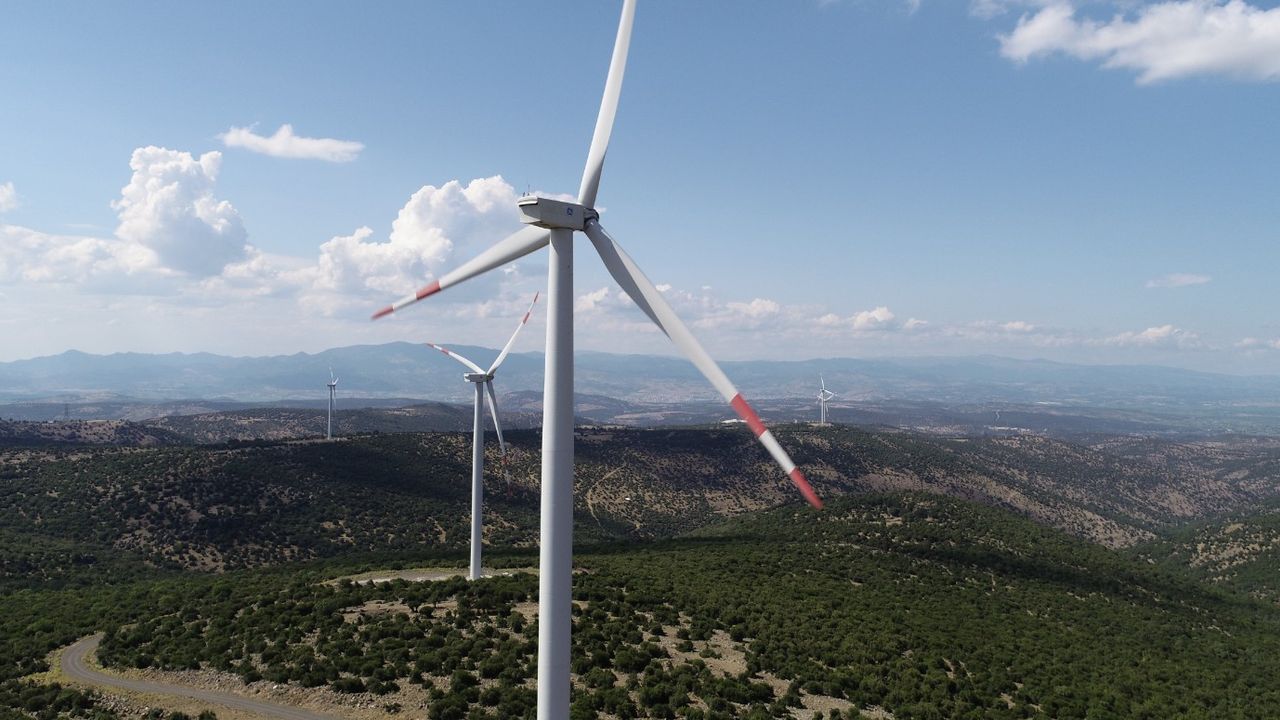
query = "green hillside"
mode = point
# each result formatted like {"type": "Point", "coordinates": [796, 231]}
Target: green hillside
{"type": "Point", "coordinates": [1242, 552]}
{"type": "Point", "coordinates": [215, 508]}
{"type": "Point", "coordinates": [919, 606]}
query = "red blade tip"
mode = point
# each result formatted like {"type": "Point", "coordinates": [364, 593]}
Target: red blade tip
{"type": "Point", "coordinates": [431, 289]}
{"type": "Point", "coordinates": [383, 312]}
{"type": "Point", "coordinates": [806, 489]}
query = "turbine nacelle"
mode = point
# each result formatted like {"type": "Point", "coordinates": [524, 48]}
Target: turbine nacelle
{"type": "Point", "coordinates": [477, 377]}
{"type": "Point", "coordinates": [555, 214]}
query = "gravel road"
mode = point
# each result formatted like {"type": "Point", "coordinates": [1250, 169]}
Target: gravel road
{"type": "Point", "coordinates": [75, 667]}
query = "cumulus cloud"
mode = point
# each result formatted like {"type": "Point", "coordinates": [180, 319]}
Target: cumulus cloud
{"type": "Point", "coordinates": [1018, 326]}
{"type": "Point", "coordinates": [435, 225]}
{"type": "Point", "coordinates": [177, 238]}
{"type": "Point", "coordinates": [285, 144]}
{"type": "Point", "coordinates": [591, 301]}
{"type": "Point", "coordinates": [1252, 343]}
{"type": "Point", "coordinates": [169, 208]}
{"type": "Point", "coordinates": [31, 256]}
{"type": "Point", "coordinates": [1177, 280]}
{"type": "Point", "coordinates": [8, 197]}
{"type": "Point", "coordinates": [880, 318]}
{"type": "Point", "coordinates": [172, 227]}
{"type": "Point", "coordinates": [1017, 332]}
{"type": "Point", "coordinates": [1161, 41]}
{"type": "Point", "coordinates": [757, 308]}
{"type": "Point", "coordinates": [874, 320]}
{"type": "Point", "coordinates": [1166, 336]}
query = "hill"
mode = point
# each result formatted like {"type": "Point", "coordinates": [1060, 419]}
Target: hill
{"type": "Point", "coordinates": [1241, 552]}
{"type": "Point", "coordinates": [84, 432]}
{"type": "Point", "coordinates": [905, 605]}
{"type": "Point", "coordinates": [298, 423]}
{"type": "Point", "coordinates": [244, 505]}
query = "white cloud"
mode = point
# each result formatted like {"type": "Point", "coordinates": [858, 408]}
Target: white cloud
{"type": "Point", "coordinates": [877, 319]}
{"type": "Point", "coordinates": [1252, 343]}
{"type": "Point", "coordinates": [8, 197]}
{"type": "Point", "coordinates": [590, 302]}
{"type": "Point", "coordinates": [435, 225]}
{"type": "Point", "coordinates": [880, 318]}
{"type": "Point", "coordinates": [176, 238]}
{"type": "Point", "coordinates": [1160, 336]}
{"type": "Point", "coordinates": [285, 144]}
{"type": "Point", "coordinates": [1177, 280]}
{"type": "Point", "coordinates": [171, 227]}
{"type": "Point", "coordinates": [34, 257]}
{"type": "Point", "coordinates": [1163, 41]}
{"type": "Point", "coordinates": [169, 208]}
{"type": "Point", "coordinates": [1018, 326]}
{"type": "Point", "coordinates": [757, 308]}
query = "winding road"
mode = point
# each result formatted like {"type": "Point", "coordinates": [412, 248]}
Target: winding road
{"type": "Point", "coordinates": [75, 668]}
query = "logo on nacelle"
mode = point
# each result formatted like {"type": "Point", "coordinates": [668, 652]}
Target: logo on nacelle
{"type": "Point", "coordinates": [569, 210]}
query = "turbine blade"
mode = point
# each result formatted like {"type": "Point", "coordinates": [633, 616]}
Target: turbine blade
{"type": "Point", "coordinates": [457, 357]}
{"type": "Point", "coordinates": [507, 348]}
{"type": "Point", "coordinates": [516, 245]}
{"type": "Point", "coordinates": [492, 398]}
{"type": "Point", "coordinates": [608, 107]}
{"type": "Point", "coordinates": [633, 281]}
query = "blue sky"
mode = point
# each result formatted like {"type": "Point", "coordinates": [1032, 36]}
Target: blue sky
{"type": "Point", "coordinates": [1089, 182]}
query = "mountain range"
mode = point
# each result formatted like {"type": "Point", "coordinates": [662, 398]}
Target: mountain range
{"type": "Point", "coordinates": [409, 371]}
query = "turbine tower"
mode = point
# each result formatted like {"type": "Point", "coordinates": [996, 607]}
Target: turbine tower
{"type": "Point", "coordinates": [554, 222]}
{"type": "Point", "coordinates": [824, 395]}
{"type": "Point", "coordinates": [483, 380]}
{"type": "Point", "coordinates": [333, 386]}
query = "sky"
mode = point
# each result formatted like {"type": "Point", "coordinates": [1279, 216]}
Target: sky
{"type": "Point", "coordinates": [1088, 182]}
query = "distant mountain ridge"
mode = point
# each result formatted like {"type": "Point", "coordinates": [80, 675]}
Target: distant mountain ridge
{"type": "Point", "coordinates": [411, 371]}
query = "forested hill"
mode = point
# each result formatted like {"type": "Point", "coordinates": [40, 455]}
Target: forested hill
{"type": "Point", "coordinates": [905, 605]}
{"type": "Point", "coordinates": [84, 432]}
{"type": "Point", "coordinates": [1241, 552]}
{"type": "Point", "coordinates": [222, 507]}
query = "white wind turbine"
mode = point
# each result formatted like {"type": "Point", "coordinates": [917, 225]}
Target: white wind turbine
{"type": "Point", "coordinates": [333, 387]}
{"type": "Point", "coordinates": [483, 380]}
{"type": "Point", "coordinates": [554, 222]}
{"type": "Point", "coordinates": [824, 395]}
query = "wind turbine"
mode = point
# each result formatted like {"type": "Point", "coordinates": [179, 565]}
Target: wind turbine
{"type": "Point", "coordinates": [823, 396]}
{"type": "Point", "coordinates": [553, 222]}
{"type": "Point", "coordinates": [483, 380]}
{"type": "Point", "coordinates": [333, 386]}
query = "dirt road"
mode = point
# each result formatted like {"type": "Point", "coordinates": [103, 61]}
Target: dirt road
{"type": "Point", "coordinates": [75, 668]}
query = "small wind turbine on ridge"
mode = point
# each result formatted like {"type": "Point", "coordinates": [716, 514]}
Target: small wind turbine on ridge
{"type": "Point", "coordinates": [483, 380]}
{"type": "Point", "coordinates": [824, 395]}
{"type": "Point", "coordinates": [333, 386]}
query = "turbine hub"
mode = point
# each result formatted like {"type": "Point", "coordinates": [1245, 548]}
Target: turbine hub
{"type": "Point", "coordinates": [477, 377]}
{"type": "Point", "coordinates": [554, 214]}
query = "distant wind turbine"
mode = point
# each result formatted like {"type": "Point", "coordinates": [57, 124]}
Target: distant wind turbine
{"type": "Point", "coordinates": [483, 380]}
{"type": "Point", "coordinates": [333, 386]}
{"type": "Point", "coordinates": [554, 222]}
{"type": "Point", "coordinates": [824, 395]}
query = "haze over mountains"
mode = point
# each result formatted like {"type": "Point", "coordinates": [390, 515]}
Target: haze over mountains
{"type": "Point", "coordinates": [405, 370]}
